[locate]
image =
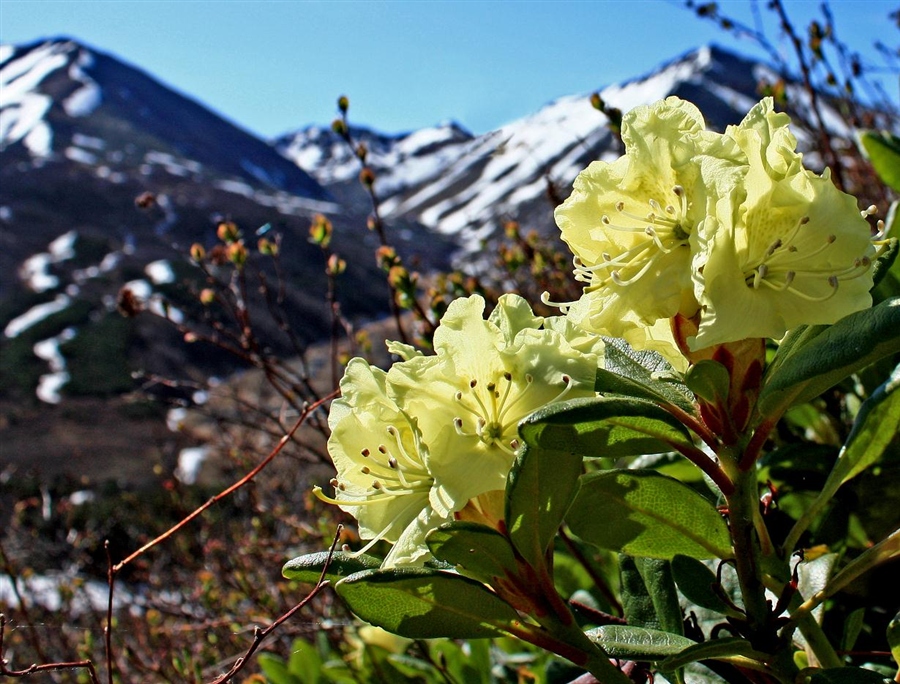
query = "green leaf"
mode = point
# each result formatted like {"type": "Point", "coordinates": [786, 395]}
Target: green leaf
{"type": "Point", "coordinates": [820, 357]}
{"type": "Point", "coordinates": [304, 662]}
{"type": "Point", "coordinates": [641, 374]}
{"type": "Point", "coordinates": [477, 550]}
{"type": "Point", "coordinates": [893, 638]}
{"type": "Point", "coordinates": [876, 426]}
{"type": "Point", "coordinates": [696, 582]}
{"type": "Point", "coordinates": [605, 426]}
{"type": "Point", "coordinates": [308, 568]}
{"type": "Point", "coordinates": [426, 604]}
{"type": "Point", "coordinates": [657, 576]}
{"type": "Point", "coordinates": [275, 669]}
{"type": "Point", "coordinates": [712, 650]}
{"type": "Point", "coordinates": [883, 150]}
{"type": "Point", "coordinates": [638, 643]}
{"type": "Point", "coordinates": [643, 513]}
{"type": "Point", "coordinates": [852, 628]}
{"type": "Point", "coordinates": [710, 380]}
{"type": "Point", "coordinates": [847, 675]}
{"type": "Point", "coordinates": [637, 604]}
{"type": "Point", "coordinates": [539, 490]}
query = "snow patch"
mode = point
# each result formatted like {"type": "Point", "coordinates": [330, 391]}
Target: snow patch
{"type": "Point", "coordinates": [190, 461]}
{"type": "Point", "coordinates": [234, 187]}
{"type": "Point", "coordinates": [160, 272]}
{"type": "Point", "coordinates": [35, 315]}
{"type": "Point", "coordinates": [175, 419]}
{"type": "Point", "coordinates": [88, 141]}
{"type": "Point", "coordinates": [76, 154]}
{"type": "Point", "coordinates": [48, 349]}
{"type": "Point", "coordinates": [83, 101]}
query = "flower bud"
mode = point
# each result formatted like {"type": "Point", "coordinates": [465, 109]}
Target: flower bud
{"type": "Point", "coordinates": [367, 177]}
{"type": "Point", "coordinates": [336, 265]}
{"type": "Point", "coordinates": [339, 127]}
{"type": "Point", "coordinates": [207, 296]}
{"type": "Point", "coordinates": [198, 253]}
{"type": "Point", "coordinates": [343, 104]}
{"type": "Point", "coordinates": [320, 231]}
{"type": "Point", "coordinates": [227, 231]}
{"type": "Point", "coordinates": [237, 254]}
{"type": "Point", "coordinates": [267, 247]}
{"type": "Point", "coordinates": [386, 257]}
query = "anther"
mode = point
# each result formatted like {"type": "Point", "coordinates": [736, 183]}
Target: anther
{"type": "Point", "coordinates": [507, 376]}
{"type": "Point", "coordinates": [382, 449]}
{"type": "Point", "coordinates": [376, 484]}
{"type": "Point", "coordinates": [678, 190]}
{"type": "Point", "coordinates": [333, 482]}
{"type": "Point", "coordinates": [392, 462]}
{"type": "Point", "coordinates": [473, 383]}
{"type": "Point", "coordinates": [365, 453]}
{"type": "Point", "coordinates": [804, 220]}
{"type": "Point", "coordinates": [365, 470]}
{"type": "Point", "coordinates": [514, 444]}
{"type": "Point", "coordinates": [566, 379]}
{"type": "Point", "coordinates": [620, 206]}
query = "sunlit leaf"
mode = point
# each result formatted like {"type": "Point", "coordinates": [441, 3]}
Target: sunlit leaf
{"type": "Point", "coordinates": [819, 357]}
{"type": "Point", "coordinates": [638, 643]}
{"type": "Point", "coordinates": [539, 490]}
{"type": "Point", "coordinates": [477, 550]}
{"type": "Point", "coordinates": [605, 426]}
{"type": "Point", "coordinates": [641, 374]}
{"type": "Point", "coordinates": [643, 513]}
{"type": "Point", "coordinates": [883, 150]}
{"type": "Point", "coordinates": [308, 568]}
{"type": "Point", "coordinates": [418, 603]}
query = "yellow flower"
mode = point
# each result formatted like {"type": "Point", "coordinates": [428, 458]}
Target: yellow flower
{"type": "Point", "coordinates": [630, 223]}
{"type": "Point", "coordinates": [434, 438]}
{"type": "Point", "coordinates": [787, 249]}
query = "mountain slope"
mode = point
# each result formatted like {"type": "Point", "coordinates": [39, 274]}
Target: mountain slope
{"type": "Point", "coordinates": [83, 135]}
{"type": "Point", "coordinates": [473, 184]}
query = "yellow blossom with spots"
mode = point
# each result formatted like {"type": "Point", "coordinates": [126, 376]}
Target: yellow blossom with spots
{"type": "Point", "coordinates": [433, 438]}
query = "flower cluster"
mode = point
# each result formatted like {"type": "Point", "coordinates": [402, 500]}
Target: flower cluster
{"type": "Point", "coordinates": [729, 229]}
{"type": "Point", "coordinates": [433, 438]}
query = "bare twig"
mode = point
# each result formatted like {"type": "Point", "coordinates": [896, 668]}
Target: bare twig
{"type": "Point", "coordinates": [260, 634]}
{"type": "Point", "coordinates": [233, 488]}
{"type": "Point", "coordinates": [46, 667]}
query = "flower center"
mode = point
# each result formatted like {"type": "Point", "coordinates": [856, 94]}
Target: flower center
{"type": "Point", "coordinates": [666, 229]}
{"type": "Point", "coordinates": [496, 407]}
{"type": "Point", "coordinates": [781, 263]}
{"type": "Point", "coordinates": [390, 469]}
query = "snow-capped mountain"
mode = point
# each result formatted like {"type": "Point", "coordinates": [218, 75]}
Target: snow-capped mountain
{"type": "Point", "coordinates": [60, 99]}
{"type": "Point", "coordinates": [465, 186]}
{"type": "Point", "coordinates": [82, 136]}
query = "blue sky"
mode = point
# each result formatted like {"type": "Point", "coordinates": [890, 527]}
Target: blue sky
{"type": "Point", "coordinates": [276, 65]}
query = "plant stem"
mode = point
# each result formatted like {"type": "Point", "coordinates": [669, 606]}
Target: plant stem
{"type": "Point", "coordinates": [742, 512]}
